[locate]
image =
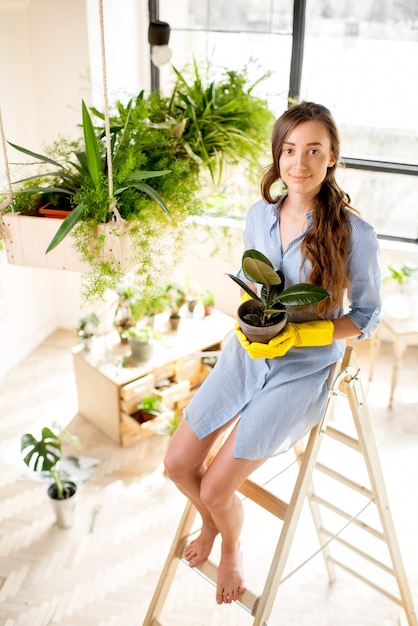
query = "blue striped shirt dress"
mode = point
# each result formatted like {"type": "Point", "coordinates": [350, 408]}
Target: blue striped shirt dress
{"type": "Point", "coordinates": [280, 400]}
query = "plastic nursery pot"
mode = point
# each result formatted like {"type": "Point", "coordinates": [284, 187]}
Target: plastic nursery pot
{"type": "Point", "coordinates": [64, 509]}
{"type": "Point", "coordinates": [261, 334]}
{"type": "Point", "coordinates": [141, 351]}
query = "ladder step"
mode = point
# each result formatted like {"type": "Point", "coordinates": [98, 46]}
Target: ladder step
{"type": "Point", "coordinates": [347, 516]}
{"type": "Point", "coordinates": [263, 498]}
{"type": "Point", "coordinates": [361, 553]}
{"type": "Point", "coordinates": [208, 570]}
{"type": "Point", "coordinates": [368, 582]}
{"type": "Point", "coordinates": [344, 480]}
{"type": "Point", "coordinates": [338, 435]}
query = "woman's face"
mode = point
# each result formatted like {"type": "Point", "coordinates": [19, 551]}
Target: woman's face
{"type": "Point", "coordinates": [305, 157]}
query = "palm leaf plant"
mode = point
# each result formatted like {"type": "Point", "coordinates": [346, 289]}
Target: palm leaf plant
{"type": "Point", "coordinates": [89, 172]}
{"type": "Point", "coordinates": [274, 299]}
{"type": "Point", "coordinates": [222, 122]}
{"type": "Point", "coordinates": [44, 455]}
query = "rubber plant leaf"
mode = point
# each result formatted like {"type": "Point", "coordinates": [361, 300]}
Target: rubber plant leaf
{"type": "Point", "coordinates": [245, 287]}
{"type": "Point", "coordinates": [41, 455]}
{"type": "Point", "coordinates": [302, 294]}
{"type": "Point", "coordinates": [68, 223]}
{"type": "Point", "coordinates": [258, 268]}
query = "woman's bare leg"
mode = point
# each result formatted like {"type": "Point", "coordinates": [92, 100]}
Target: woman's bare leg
{"type": "Point", "coordinates": [212, 491]}
{"type": "Point", "coordinates": [218, 492]}
{"type": "Point", "coordinates": [187, 477]}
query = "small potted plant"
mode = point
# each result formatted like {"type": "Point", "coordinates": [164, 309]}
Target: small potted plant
{"type": "Point", "coordinates": [208, 301]}
{"type": "Point", "coordinates": [142, 341]}
{"type": "Point", "coordinates": [263, 316]}
{"type": "Point", "coordinates": [44, 455]}
{"type": "Point", "coordinates": [401, 303]}
{"type": "Point", "coordinates": [176, 297]}
{"type": "Point", "coordinates": [85, 328]}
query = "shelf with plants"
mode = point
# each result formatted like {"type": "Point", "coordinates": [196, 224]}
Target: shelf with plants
{"type": "Point", "coordinates": [109, 390]}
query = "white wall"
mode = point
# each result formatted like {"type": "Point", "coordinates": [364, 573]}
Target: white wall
{"type": "Point", "coordinates": [48, 49]}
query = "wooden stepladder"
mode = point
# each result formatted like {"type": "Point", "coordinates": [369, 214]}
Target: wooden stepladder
{"type": "Point", "coordinates": [346, 383]}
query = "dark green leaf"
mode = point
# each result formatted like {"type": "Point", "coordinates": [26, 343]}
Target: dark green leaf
{"type": "Point", "coordinates": [94, 159]}
{"type": "Point", "coordinates": [69, 222]}
{"type": "Point", "coordinates": [303, 294]}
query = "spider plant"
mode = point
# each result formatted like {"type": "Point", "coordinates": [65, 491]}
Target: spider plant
{"type": "Point", "coordinates": [87, 177]}
{"type": "Point", "coordinates": [222, 122]}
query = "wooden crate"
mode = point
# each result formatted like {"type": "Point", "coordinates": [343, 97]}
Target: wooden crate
{"type": "Point", "coordinates": [28, 238]}
{"type": "Point", "coordinates": [174, 393]}
{"type": "Point", "coordinates": [132, 393]}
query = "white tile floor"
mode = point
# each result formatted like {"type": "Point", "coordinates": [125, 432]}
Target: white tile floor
{"type": "Point", "coordinates": [106, 578]}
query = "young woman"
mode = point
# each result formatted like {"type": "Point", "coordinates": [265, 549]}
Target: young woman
{"type": "Point", "coordinates": [278, 390]}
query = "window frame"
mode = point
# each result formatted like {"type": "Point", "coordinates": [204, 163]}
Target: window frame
{"type": "Point", "coordinates": [295, 80]}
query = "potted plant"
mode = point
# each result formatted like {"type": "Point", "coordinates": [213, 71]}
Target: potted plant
{"type": "Point", "coordinates": [135, 302]}
{"type": "Point", "coordinates": [208, 301]}
{"type": "Point", "coordinates": [141, 341]}
{"type": "Point", "coordinates": [173, 141]}
{"type": "Point", "coordinates": [44, 455]}
{"type": "Point", "coordinates": [263, 316]}
{"type": "Point", "coordinates": [176, 298]}
{"type": "Point", "coordinates": [85, 328]}
{"type": "Point", "coordinates": [400, 304]}
{"type": "Point", "coordinates": [149, 407]}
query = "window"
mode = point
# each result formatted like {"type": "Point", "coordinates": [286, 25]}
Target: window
{"type": "Point", "coordinates": [358, 58]}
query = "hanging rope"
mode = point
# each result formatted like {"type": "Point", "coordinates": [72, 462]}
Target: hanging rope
{"type": "Point", "coordinates": [4, 231]}
{"type": "Point", "coordinates": [120, 222]}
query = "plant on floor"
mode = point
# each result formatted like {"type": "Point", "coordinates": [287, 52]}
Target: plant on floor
{"type": "Point", "coordinates": [45, 454]}
{"type": "Point", "coordinates": [274, 300]}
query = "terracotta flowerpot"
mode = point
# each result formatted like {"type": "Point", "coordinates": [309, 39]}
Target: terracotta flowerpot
{"type": "Point", "coordinates": [261, 334]}
{"type": "Point", "coordinates": [174, 321]}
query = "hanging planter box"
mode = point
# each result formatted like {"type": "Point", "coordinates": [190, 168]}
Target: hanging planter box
{"type": "Point", "coordinates": [30, 236]}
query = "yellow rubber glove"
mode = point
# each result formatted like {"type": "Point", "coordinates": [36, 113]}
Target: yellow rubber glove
{"type": "Point", "coordinates": [241, 337]}
{"type": "Point", "coordinates": [306, 334]}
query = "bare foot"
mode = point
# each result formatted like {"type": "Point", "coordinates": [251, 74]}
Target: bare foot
{"type": "Point", "coordinates": [230, 583]}
{"type": "Point", "coordinates": [199, 549]}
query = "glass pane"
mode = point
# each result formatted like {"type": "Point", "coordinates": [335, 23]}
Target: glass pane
{"type": "Point", "coordinates": [244, 16]}
{"type": "Point", "coordinates": [360, 61]}
{"type": "Point", "coordinates": [253, 33]}
{"type": "Point", "coordinates": [388, 201]}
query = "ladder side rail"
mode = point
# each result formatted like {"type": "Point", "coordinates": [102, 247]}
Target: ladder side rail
{"type": "Point", "coordinates": [365, 435]}
{"type": "Point", "coordinates": [169, 570]}
{"type": "Point", "coordinates": [290, 522]}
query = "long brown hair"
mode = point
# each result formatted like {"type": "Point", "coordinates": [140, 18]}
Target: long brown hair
{"type": "Point", "coordinates": [325, 245]}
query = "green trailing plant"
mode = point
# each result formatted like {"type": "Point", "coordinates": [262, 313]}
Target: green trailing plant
{"type": "Point", "coordinates": [45, 454]}
{"type": "Point", "coordinates": [161, 151]}
{"type": "Point", "coordinates": [274, 299]}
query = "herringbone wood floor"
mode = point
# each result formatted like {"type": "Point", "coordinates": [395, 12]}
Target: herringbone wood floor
{"type": "Point", "coordinates": [105, 576]}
